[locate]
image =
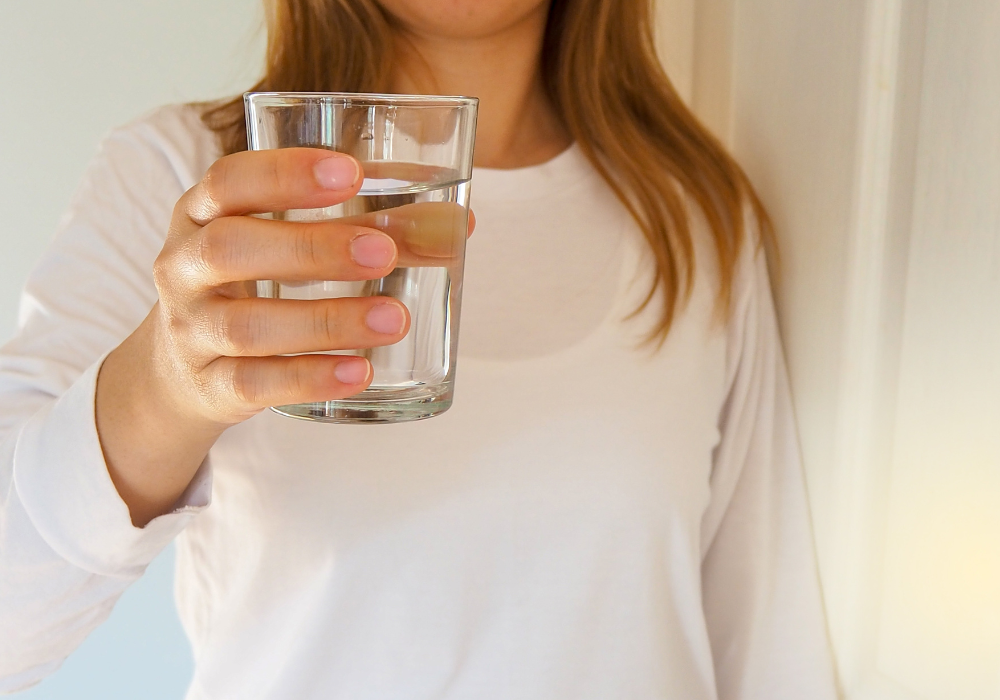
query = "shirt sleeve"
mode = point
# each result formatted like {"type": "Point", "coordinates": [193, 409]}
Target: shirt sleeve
{"type": "Point", "coordinates": [760, 584]}
{"type": "Point", "coordinates": [68, 548]}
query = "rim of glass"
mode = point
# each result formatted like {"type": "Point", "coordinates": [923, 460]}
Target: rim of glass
{"type": "Point", "coordinates": [374, 98]}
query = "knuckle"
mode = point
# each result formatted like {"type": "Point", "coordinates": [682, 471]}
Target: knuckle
{"type": "Point", "coordinates": [215, 253]}
{"type": "Point", "coordinates": [246, 384]}
{"type": "Point", "coordinates": [161, 271]}
{"type": "Point", "coordinates": [284, 170]}
{"type": "Point", "coordinates": [327, 323]}
{"type": "Point", "coordinates": [237, 329]}
{"type": "Point", "coordinates": [296, 380]}
{"type": "Point", "coordinates": [213, 187]}
{"type": "Point", "coordinates": [182, 210]}
{"type": "Point", "coordinates": [213, 384]}
{"type": "Point", "coordinates": [277, 172]}
{"type": "Point", "coordinates": [171, 272]}
{"type": "Point", "coordinates": [307, 249]}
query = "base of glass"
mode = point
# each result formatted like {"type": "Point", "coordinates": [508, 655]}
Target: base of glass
{"type": "Point", "coordinates": [374, 406]}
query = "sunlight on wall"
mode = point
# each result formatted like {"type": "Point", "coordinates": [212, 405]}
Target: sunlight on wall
{"type": "Point", "coordinates": [941, 599]}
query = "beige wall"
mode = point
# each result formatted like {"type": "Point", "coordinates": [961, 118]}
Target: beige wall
{"type": "Point", "coordinates": [871, 128]}
{"type": "Point", "coordinates": [72, 69]}
{"type": "Point", "coordinates": [940, 596]}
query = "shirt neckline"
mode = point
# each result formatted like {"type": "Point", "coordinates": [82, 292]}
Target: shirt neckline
{"type": "Point", "coordinates": [533, 182]}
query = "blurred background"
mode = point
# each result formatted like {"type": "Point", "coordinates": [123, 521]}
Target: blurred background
{"type": "Point", "coordinates": [871, 127]}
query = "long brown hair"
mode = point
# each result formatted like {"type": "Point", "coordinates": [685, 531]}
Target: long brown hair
{"type": "Point", "coordinates": [600, 68]}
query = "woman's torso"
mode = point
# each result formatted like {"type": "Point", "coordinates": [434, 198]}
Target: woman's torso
{"type": "Point", "coordinates": [539, 540]}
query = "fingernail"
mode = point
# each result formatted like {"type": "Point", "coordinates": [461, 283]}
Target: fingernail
{"type": "Point", "coordinates": [354, 371]}
{"type": "Point", "coordinates": [337, 173]}
{"type": "Point", "coordinates": [373, 250]}
{"type": "Point", "coordinates": [386, 318]}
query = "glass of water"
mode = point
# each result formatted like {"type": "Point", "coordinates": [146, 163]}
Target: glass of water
{"type": "Point", "coordinates": [416, 152]}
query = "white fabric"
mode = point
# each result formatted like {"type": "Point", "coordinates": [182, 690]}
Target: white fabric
{"type": "Point", "coordinates": [594, 518]}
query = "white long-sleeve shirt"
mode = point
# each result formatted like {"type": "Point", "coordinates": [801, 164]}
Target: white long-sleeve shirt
{"type": "Point", "coordinates": [594, 518]}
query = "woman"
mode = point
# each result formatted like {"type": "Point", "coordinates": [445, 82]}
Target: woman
{"type": "Point", "coordinates": [612, 509]}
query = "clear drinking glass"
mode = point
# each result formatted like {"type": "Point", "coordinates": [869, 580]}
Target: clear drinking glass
{"type": "Point", "coordinates": [416, 152]}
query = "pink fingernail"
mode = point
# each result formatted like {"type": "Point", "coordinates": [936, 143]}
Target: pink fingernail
{"type": "Point", "coordinates": [337, 173]}
{"type": "Point", "coordinates": [373, 250]}
{"type": "Point", "coordinates": [353, 371]}
{"type": "Point", "coordinates": [386, 318]}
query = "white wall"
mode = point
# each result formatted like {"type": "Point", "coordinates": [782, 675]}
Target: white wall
{"type": "Point", "coordinates": [72, 69]}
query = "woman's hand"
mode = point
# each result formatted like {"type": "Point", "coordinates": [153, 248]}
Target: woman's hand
{"type": "Point", "coordinates": [218, 348]}
{"type": "Point", "coordinates": [209, 355]}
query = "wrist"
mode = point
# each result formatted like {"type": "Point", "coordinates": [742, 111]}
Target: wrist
{"type": "Point", "coordinates": [153, 443]}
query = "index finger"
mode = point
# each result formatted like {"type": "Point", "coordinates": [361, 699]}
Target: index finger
{"type": "Point", "coordinates": [259, 182]}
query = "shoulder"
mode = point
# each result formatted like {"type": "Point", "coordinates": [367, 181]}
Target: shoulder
{"type": "Point", "coordinates": [751, 274]}
{"type": "Point", "coordinates": [746, 291]}
{"type": "Point", "coordinates": [171, 138]}
{"type": "Point", "coordinates": [139, 172]}
{"type": "Point", "coordinates": [752, 327]}
{"type": "Point", "coordinates": [731, 273]}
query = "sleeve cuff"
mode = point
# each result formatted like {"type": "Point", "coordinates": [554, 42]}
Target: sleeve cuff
{"type": "Point", "coordinates": [62, 481]}
{"type": "Point", "coordinates": [28, 679]}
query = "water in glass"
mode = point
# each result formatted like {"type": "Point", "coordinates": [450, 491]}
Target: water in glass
{"type": "Point", "coordinates": [419, 207]}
